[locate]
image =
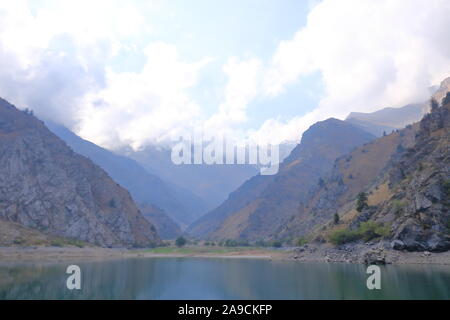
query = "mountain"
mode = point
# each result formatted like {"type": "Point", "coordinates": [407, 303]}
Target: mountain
{"type": "Point", "coordinates": [406, 177]}
{"type": "Point", "coordinates": [388, 119]}
{"type": "Point", "coordinates": [166, 227]}
{"type": "Point", "coordinates": [263, 204]}
{"type": "Point", "coordinates": [211, 183]}
{"type": "Point", "coordinates": [179, 204]}
{"type": "Point", "coordinates": [45, 185]}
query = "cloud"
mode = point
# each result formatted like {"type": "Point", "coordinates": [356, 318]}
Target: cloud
{"type": "Point", "coordinates": [53, 57]}
{"type": "Point", "coordinates": [147, 107]}
{"type": "Point", "coordinates": [242, 87]}
{"type": "Point", "coordinates": [370, 54]}
{"type": "Point", "coordinates": [57, 60]}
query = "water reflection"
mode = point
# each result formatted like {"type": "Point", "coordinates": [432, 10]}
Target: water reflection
{"type": "Point", "coordinates": [188, 278]}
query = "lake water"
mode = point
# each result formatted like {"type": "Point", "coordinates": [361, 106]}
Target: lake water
{"type": "Point", "coordinates": [192, 278]}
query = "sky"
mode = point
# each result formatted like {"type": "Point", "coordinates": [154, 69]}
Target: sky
{"type": "Point", "coordinates": [134, 73]}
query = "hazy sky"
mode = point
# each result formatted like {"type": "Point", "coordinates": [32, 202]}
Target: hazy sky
{"type": "Point", "coordinates": [137, 72]}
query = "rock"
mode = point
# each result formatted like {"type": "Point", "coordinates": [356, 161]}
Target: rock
{"type": "Point", "coordinates": [374, 257]}
{"type": "Point", "coordinates": [397, 245]}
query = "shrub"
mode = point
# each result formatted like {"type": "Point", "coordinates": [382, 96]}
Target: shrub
{"type": "Point", "coordinates": [398, 206]}
{"type": "Point", "coordinates": [370, 230]}
{"type": "Point", "coordinates": [301, 242]}
{"type": "Point", "coordinates": [276, 244]}
{"type": "Point", "coordinates": [367, 231]}
{"type": "Point", "coordinates": [57, 243]}
{"type": "Point", "coordinates": [231, 243]}
{"type": "Point", "coordinates": [180, 241]}
{"type": "Point", "coordinates": [343, 236]}
{"type": "Point", "coordinates": [446, 187]}
{"type": "Point", "coordinates": [112, 203]}
{"type": "Point", "coordinates": [19, 241]}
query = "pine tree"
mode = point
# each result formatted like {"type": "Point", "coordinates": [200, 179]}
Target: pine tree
{"type": "Point", "coordinates": [361, 202]}
{"type": "Point", "coordinates": [336, 218]}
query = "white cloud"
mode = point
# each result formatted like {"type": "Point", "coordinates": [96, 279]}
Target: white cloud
{"type": "Point", "coordinates": [243, 86]}
{"type": "Point", "coordinates": [371, 54]}
{"type": "Point", "coordinates": [145, 107]}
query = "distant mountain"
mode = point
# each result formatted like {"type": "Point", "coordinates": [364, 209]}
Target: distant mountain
{"type": "Point", "coordinates": [179, 204]}
{"type": "Point", "coordinates": [386, 120]}
{"type": "Point", "coordinates": [263, 204]}
{"type": "Point", "coordinates": [211, 183]}
{"type": "Point", "coordinates": [46, 186]}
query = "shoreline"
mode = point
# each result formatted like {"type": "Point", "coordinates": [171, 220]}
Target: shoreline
{"type": "Point", "coordinates": [308, 253]}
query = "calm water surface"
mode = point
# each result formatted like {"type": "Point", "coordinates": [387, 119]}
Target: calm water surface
{"type": "Point", "coordinates": [192, 278]}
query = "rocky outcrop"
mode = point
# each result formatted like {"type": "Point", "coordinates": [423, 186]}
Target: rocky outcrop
{"type": "Point", "coordinates": [45, 186]}
{"type": "Point", "coordinates": [423, 224]}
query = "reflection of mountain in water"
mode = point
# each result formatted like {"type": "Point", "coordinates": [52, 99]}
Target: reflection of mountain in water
{"type": "Point", "coordinates": [181, 278]}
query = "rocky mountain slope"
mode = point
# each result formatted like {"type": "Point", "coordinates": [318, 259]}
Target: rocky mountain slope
{"type": "Point", "coordinates": [179, 204]}
{"type": "Point", "coordinates": [46, 186]}
{"type": "Point", "coordinates": [406, 178]}
{"type": "Point", "coordinates": [263, 204]}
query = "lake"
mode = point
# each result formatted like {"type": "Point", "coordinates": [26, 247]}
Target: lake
{"type": "Point", "coordinates": [208, 278]}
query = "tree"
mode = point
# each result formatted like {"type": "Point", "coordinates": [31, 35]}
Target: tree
{"type": "Point", "coordinates": [361, 202]}
{"type": "Point", "coordinates": [433, 104]}
{"type": "Point", "coordinates": [336, 218]}
{"type": "Point", "coordinates": [180, 241]}
{"type": "Point", "coordinates": [321, 183]}
{"type": "Point", "coordinates": [446, 100]}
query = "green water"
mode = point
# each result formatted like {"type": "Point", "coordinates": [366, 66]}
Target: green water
{"type": "Point", "coordinates": [189, 278]}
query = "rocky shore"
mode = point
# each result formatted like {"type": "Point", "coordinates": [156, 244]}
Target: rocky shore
{"type": "Point", "coordinates": [367, 253]}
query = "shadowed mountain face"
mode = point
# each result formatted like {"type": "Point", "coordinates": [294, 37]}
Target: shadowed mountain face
{"type": "Point", "coordinates": [167, 229]}
{"type": "Point", "coordinates": [179, 204]}
{"type": "Point", "coordinates": [263, 204]}
{"type": "Point", "coordinates": [46, 186]}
